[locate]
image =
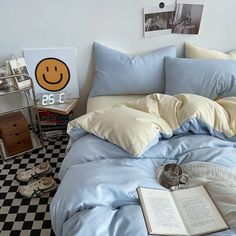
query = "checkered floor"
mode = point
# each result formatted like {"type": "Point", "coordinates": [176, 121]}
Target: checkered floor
{"type": "Point", "coordinates": [19, 216]}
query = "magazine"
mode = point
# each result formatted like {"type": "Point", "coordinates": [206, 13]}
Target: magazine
{"type": "Point", "coordinates": [18, 66]}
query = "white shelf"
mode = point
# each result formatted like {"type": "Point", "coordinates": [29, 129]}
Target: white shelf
{"type": "Point", "coordinates": [16, 102]}
{"type": "Point", "coordinates": [12, 100]}
{"type": "Point", "coordinates": [11, 90]}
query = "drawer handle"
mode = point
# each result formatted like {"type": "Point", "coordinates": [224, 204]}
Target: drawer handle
{"type": "Point", "coordinates": [17, 133]}
{"type": "Point", "coordinates": [18, 142]}
{"type": "Point", "coordinates": [14, 125]}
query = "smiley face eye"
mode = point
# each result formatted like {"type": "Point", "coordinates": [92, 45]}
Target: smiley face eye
{"type": "Point", "coordinates": [47, 68]}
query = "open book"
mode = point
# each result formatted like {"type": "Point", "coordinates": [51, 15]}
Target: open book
{"type": "Point", "coordinates": [182, 212]}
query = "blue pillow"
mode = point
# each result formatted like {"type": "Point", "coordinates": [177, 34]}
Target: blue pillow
{"type": "Point", "coordinates": [119, 73]}
{"type": "Point", "coordinates": [209, 78]}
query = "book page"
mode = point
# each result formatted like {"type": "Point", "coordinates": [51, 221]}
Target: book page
{"type": "Point", "coordinates": [160, 212]}
{"type": "Point", "coordinates": [198, 211]}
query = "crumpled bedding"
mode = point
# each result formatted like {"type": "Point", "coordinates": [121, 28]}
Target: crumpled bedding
{"type": "Point", "coordinates": [137, 126]}
{"type": "Point", "coordinates": [97, 195]}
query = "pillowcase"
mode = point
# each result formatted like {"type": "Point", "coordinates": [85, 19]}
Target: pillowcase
{"type": "Point", "coordinates": [202, 53]}
{"type": "Point", "coordinates": [118, 73]}
{"type": "Point", "coordinates": [209, 78]}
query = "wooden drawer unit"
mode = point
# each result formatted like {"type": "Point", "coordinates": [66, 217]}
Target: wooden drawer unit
{"type": "Point", "coordinates": [15, 133]}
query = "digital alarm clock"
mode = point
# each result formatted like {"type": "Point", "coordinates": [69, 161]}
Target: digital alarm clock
{"type": "Point", "coordinates": [53, 98]}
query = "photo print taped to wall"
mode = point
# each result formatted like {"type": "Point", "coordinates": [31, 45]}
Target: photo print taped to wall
{"type": "Point", "coordinates": [159, 20]}
{"type": "Point", "coordinates": [53, 70]}
{"type": "Point", "coordinates": [188, 16]}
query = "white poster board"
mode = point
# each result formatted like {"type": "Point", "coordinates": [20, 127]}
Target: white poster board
{"type": "Point", "coordinates": [53, 70]}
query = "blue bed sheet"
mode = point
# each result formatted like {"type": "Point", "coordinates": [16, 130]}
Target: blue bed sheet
{"type": "Point", "coordinates": [97, 195]}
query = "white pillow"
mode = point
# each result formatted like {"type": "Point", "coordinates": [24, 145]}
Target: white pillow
{"type": "Point", "coordinates": [203, 53]}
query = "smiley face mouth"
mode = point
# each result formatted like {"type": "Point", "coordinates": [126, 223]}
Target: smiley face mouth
{"type": "Point", "coordinates": [56, 82]}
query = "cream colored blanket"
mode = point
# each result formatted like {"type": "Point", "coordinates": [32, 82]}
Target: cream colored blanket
{"type": "Point", "coordinates": [137, 126]}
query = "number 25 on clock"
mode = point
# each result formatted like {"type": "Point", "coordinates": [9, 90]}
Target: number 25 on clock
{"type": "Point", "coordinates": [53, 98]}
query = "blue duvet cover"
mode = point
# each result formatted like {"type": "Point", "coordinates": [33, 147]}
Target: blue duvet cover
{"type": "Point", "coordinates": [97, 195]}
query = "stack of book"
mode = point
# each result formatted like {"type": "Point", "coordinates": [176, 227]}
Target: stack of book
{"type": "Point", "coordinates": [53, 121]}
{"type": "Point", "coordinates": [55, 118]}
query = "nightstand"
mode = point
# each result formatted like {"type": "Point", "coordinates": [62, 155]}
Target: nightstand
{"type": "Point", "coordinates": [20, 129]}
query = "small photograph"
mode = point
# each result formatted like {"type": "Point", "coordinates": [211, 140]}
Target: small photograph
{"type": "Point", "coordinates": [187, 18]}
{"type": "Point", "coordinates": [20, 70]}
{"type": "Point", "coordinates": [158, 22]}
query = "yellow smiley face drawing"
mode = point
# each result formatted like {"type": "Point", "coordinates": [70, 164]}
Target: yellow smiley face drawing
{"type": "Point", "coordinates": [52, 74]}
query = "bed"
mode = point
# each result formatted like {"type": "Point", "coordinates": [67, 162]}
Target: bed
{"type": "Point", "coordinates": [121, 142]}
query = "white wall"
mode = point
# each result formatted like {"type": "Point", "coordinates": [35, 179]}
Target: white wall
{"type": "Point", "coordinates": [115, 23]}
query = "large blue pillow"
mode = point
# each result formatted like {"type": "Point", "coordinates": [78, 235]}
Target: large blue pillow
{"type": "Point", "coordinates": [209, 78]}
{"type": "Point", "coordinates": [119, 73]}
